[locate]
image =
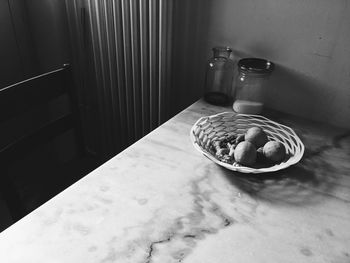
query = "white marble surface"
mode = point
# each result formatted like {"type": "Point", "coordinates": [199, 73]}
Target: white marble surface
{"type": "Point", "coordinates": [161, 201]}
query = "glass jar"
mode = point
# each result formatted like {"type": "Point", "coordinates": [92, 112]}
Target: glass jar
{"type": "Point", "coordinates": [219, 77]}
{"type": "Point", "coordinates": [251, 85]}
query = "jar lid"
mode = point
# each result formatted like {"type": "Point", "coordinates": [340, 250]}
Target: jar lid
{"type": "Point", "coordinates": [256, 65]}
{"type": "Point", "coordinates": [222, 52]}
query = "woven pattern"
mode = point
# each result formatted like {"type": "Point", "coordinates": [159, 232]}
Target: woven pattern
{"type": "Point", "coordinates": [208, 130]}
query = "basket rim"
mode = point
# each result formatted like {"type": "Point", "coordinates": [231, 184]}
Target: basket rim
{"type": "Point", "coordinates": [244, 169]}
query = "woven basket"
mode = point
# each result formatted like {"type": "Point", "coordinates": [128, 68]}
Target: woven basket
{"type": "Point", "coordinates": [213, 128]}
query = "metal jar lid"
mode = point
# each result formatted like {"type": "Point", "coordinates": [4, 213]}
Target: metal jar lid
{"type": "Point", "coordinates": [255, 65]}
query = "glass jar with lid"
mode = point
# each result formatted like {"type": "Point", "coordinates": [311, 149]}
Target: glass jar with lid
{"type": "Point", "coordinates": [251, 84]}
{"type": "Point", "coordinates": [219, 77]}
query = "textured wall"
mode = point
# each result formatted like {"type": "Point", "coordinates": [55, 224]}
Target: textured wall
{"type": "Point", "coordinates": [308, 40]}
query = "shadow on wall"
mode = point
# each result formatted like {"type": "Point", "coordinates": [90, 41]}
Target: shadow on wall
{"type": "Point", "coordinates": [190, 32]}
{"type": "Point", "coordinates": [293, 92]}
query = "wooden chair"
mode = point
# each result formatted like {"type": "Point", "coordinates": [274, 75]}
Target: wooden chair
{"type": "Point", "coordinates": [18, 99]}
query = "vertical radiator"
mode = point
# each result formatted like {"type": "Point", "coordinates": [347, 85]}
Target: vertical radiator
{"type": "Point", "coordinates": [121, 50]}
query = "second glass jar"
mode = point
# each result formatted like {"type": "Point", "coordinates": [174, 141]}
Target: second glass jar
{"type": "Point", "coordinates": [251, 85]}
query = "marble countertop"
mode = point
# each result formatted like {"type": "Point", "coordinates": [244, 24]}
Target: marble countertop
{"type": "Point", "coordinates": [162, 201]}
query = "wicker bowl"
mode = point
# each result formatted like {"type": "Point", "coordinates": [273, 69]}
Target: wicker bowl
{"type": "Point", "coordinates": [213, 128]}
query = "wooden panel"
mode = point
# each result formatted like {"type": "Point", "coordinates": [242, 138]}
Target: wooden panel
{"type": "Point", "coordinates": [34, 91]}
{"type": "Point", "coordinates": [40, 137]}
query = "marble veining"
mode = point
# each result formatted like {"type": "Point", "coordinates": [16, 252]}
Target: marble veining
{"type": "Point", "coordinates": [161, 201]}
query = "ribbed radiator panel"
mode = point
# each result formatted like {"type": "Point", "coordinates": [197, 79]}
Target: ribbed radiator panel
{"type": "Point", "coordinates": [127, 45]}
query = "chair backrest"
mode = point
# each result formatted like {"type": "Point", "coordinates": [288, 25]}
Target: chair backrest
{"type": "Point", "coordinates": [26, 95]}
{"type": "Point", "coordinates": [15, 101]}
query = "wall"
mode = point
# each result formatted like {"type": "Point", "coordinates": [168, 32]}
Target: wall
{"type": "Point", "coordinates": [49, 30]}
{"type": "Point", "coordinates": [34, 38]}
{"type": "Point", "coordinates": [308, 40]}
{"type": "Point", "coordinates": [10, 66]}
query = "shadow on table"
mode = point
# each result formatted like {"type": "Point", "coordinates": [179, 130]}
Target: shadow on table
{"type": "Point", "coordinates": [297, 185]}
